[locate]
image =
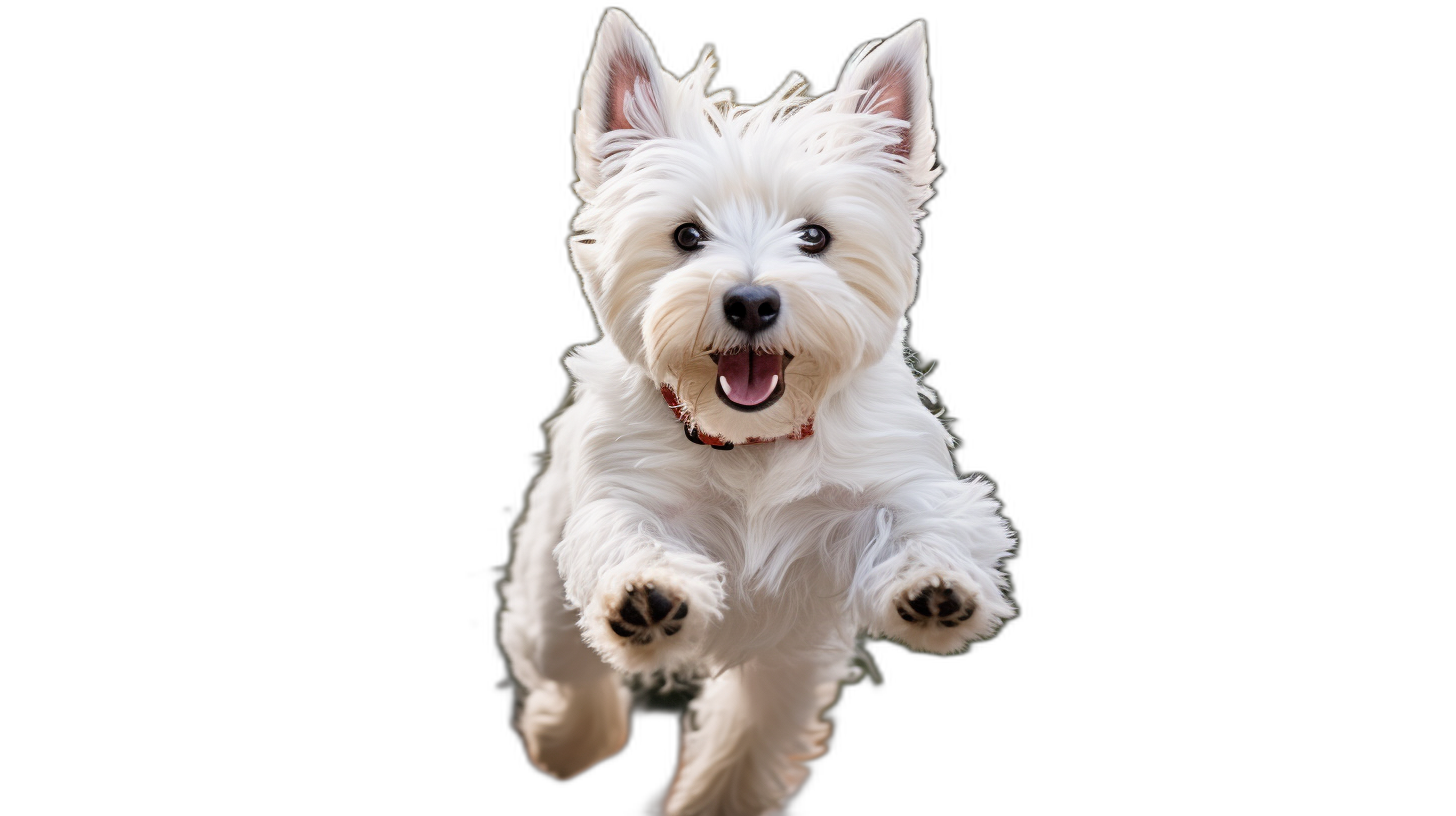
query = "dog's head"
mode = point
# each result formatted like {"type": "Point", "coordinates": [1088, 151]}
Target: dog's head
{"type": "Point", "coordinates": [752, 258]}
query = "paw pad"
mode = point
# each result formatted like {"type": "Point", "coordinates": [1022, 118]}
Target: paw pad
{"type": "Point", "coordinates": [935, 603]}
{"type": "Point", "coordinates": [647, 611]}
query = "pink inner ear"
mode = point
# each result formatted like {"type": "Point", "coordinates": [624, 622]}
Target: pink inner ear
{"type": "Point", "coordinates": [625, 72]}
{"type": "Point", "coordinates": [890, 91]}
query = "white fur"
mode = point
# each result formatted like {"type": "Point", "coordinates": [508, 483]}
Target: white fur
{"type": "Point", "coordinates": [783, 551]}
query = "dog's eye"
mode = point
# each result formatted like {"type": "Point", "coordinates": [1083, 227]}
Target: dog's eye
{"type": "Point", "coordinates": [813, 239]}
{"type": "Point", "coordinates": [690, 237]}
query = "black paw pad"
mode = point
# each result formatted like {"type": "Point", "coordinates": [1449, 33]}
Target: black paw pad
{"type": "Point", "coordinates": [647, 611]}
{"type": "Point", "coordinates": [921, 603]}
{"type": "Point", "coordinates": [933, 604]}
{"type": "Point", "coordinates": [658, 604]}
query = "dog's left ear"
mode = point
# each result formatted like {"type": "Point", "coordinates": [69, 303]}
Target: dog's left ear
{"type": "Point", "coordinates": [894, 78]}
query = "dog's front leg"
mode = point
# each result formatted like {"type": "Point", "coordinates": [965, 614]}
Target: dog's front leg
{"type": "Point", "coordinates": [932, 577]}
{"type": "Point", "coordinates": [646, 599]}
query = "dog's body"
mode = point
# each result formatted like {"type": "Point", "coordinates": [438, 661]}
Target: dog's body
{"type": "Point", "coordinates": [767, 253]}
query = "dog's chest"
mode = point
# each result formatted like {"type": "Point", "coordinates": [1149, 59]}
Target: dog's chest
{"type": "Point", "coordinates": [765, 520]}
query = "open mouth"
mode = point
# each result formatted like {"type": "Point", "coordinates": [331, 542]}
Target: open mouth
{"type": "Point", "coordinates": [751, 380]}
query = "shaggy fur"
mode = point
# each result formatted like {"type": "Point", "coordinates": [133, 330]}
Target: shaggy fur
{"type": "Point", "coordinates": [755, 568]}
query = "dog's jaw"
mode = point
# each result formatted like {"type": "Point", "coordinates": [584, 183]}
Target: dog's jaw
{"type": "Point", "coordinates": [703, 406]}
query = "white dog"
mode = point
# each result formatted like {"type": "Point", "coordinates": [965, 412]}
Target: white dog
{"type": "Point", "coordinates": [745, 478]}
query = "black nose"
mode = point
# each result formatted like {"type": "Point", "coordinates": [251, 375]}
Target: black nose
{"type": "Point", "coordinates": [751, 308]}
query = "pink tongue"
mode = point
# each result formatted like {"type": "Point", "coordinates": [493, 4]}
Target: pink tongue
{"type": "Point", "coordinates": [750, 376]}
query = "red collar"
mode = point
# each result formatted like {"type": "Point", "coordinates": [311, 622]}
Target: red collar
{"type": "Point", "coordinates": [805, 430]}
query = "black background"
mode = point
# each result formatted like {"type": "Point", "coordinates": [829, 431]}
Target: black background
{"type": "Point", "coordinates": [1047, 314]}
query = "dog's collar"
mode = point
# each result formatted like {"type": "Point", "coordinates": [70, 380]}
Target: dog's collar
{"type": "Point", "coordinates": [717, 442]}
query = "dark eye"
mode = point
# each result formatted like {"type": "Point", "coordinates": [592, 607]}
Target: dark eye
{"type": "Point", "coordinates": [690, 237]}
{"type": "Point", "coordinates": [813, 239]}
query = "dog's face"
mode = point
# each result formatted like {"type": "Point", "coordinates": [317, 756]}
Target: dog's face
{"type": "Point", "coordinates": [751, 258]}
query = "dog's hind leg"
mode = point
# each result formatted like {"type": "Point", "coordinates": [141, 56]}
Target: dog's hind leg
{"type": "Point", "coordinates": [748, 734]}
{"type": "Point", "coordinates": [572, 709]}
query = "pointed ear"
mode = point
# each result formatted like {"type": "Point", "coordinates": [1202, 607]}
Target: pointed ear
{"type": "Point", "coordinates": [623, 92]}
{"type": "Point", "coordinates": [894, 78]}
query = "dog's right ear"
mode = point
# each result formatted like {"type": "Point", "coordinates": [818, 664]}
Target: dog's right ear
{"type": "Point", "coordinates": [622, 100]}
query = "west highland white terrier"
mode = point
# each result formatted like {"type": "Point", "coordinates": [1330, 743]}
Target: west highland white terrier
{"type": "Point", "coordinates": [745, 478]}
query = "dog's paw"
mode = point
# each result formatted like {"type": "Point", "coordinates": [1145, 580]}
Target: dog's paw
{"type": "Point", "coordinates": [937, 602]}
{"type": "Point", "coordinates": [647, 612]}
{"type": "Point", "coordinates": [652, 619]}
{"type": "Point", "coordinates": [936, 612]}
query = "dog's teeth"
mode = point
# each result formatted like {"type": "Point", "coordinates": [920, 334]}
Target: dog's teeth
{"type": "Point", "coordinates": [774, 383]}
{"type": "Point", "coordinates": [727, 389]}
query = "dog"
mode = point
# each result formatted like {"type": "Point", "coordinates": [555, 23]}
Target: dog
{"type": "Point", "coordinates": [746, 478]}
